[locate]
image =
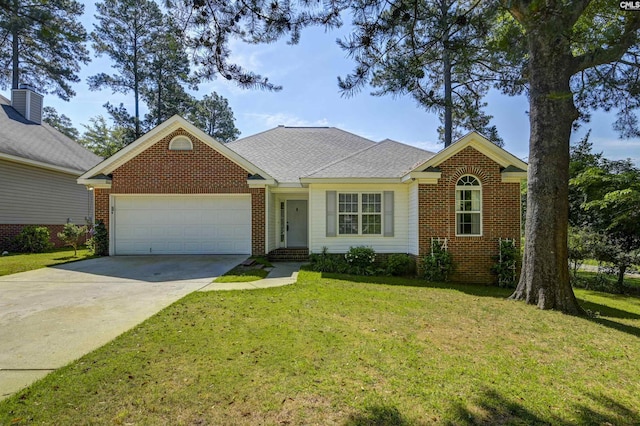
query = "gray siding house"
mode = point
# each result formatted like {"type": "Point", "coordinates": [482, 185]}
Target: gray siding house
{"type": "Point", "coordinates": [38, 170]}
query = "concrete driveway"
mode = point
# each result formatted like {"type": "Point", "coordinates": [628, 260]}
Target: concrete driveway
{"type": "Point", "coordinates": [52, 316]}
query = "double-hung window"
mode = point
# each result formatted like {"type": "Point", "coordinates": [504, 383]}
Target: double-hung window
{"type": "Point", "coordinates": [468, 206]}
{"type": "Point", "coordinates": [360, 213]}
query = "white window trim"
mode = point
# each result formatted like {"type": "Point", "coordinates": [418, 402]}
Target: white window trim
{"type": "Point", "coordinates": [360, 213]}
{"type": "Point", "coordinates": [466, 188]}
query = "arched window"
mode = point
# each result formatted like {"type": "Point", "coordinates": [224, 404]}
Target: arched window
{"type": "Point", "coordinates": [180, 143]}
{"type": "Point", "coordinates": [468, 206]}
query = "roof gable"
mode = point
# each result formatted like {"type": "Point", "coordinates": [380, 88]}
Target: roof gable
{"type": "Point", "coordinates": [155, 135]}
{"type": "Point", "coordinates": [479, 143]}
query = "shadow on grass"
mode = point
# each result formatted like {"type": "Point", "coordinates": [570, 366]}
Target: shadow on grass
{"type": "Point", "coordinates": [625, 328]}
{"type": "Point", "coordinates": [608, 311]}
{"type": "Point", "coordinates": [471, 289]}
{"type": "Point", "coordinates": [378, 415]}
{"type": "Point", "coordinates": [606, 411]}
{"type": "Point", "coordinates": [492, 408]}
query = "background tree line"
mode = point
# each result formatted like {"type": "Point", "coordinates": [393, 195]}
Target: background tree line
{"type": "Point", "coordinates": [44, 45]}
{"type": "Point", "coordinates": [604, 212]}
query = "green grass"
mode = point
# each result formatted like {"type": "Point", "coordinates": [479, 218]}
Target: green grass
{"type": "Point", "coordinates": [19, 262]}
{"type": "Point", "coordinates": [241, 274]}
{"type": "Point", "coordinates": [354, 351]}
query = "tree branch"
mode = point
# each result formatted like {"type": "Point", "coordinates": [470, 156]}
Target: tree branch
{"type": "Point", "coordinates": [601, 56]}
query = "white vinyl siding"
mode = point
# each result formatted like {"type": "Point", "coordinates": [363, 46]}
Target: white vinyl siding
{"type": "Point", "coordinates": [31, 195]}
{"type": "Point", "coordinates": [398, 243]}
{"type": "Point", "coordinates": [193, 224]}
{"type": "Point", "coordinates": [413, 218]}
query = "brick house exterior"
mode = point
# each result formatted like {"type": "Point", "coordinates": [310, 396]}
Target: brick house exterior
{"type": "Point", "coordinates": [437, 214]}
{"type": "Point", "coordinates": [264, 189]}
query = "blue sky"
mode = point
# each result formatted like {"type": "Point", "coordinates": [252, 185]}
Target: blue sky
{"type": "Point", "coordinates": [310, 97]}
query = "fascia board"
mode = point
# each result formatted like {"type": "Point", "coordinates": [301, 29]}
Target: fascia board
{"type": "Point", "coordinates": [350, 180]}
{"type": "Point", "coordinates": [422, 177]}
{"type": "Point", "coordinates": [39, 164]}
{"type": "Point", "coordinates": [513, 177]}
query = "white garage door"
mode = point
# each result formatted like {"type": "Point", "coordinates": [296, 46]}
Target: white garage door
{"type": "Point", "coordinates": [219, 224]}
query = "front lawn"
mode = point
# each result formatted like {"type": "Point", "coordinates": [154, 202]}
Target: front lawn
{"type": "Point", "coordinates": [246, 273]}
{"type": "Point", "coordinates": [20, 262]}
{"type": "Point", "coordinates": [354, 351]}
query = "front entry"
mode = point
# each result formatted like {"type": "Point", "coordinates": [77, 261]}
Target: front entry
{"type": "Point", "coordinates": [297, 223]}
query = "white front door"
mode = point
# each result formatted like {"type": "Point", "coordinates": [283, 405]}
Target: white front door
{"type": "Point", "coordinates": [297, 223]}
{"type": "Point", "coordinates": [195, 224]}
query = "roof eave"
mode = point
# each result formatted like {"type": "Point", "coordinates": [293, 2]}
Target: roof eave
{"type": "Point", "coordinates": [358, 180]}
{"type": "Point", "coordinates": [40, 164]}
{"type": "Point", "coordinates": [422, 177]}
{"type": "Point", "coordinates": [513, 177]}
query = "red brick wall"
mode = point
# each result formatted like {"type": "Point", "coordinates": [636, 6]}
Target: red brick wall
{"type": "Point", "coordinates": [500, 215]}
{"type": "Point", "coordinates": [203, 170]}
{"type": "Point", "coordinates": [9, 231]}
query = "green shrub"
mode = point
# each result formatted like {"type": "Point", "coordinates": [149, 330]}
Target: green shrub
{"type": "Point", "coordinates": [328, 262]}
{"type": "Point", "coordinates": [33, 239]}
{"type": "Point", "coordinates": [71, 235]}
{"type": "Point", "coordinates": [505, 267]}
{"type": "Point", "coordinates": [399, 264]}
{"type": "Point", "coordinates": [361, 260]}
{"type": "Point", "coordinates": [437, 266]}
{"type": "Point", "coordinates": [99, 241]}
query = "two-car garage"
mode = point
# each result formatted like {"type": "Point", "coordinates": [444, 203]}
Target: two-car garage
{"type": "Point", "coordinates": [181, 224]}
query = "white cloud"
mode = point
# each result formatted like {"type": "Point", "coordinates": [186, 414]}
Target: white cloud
{"type": "Point", "coordinates": [285, 119]}
{"type": "Point", "coordinates": [427, 145]}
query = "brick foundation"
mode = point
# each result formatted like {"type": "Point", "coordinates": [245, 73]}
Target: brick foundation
{"type": "Point", "coordinates": [9, 231]}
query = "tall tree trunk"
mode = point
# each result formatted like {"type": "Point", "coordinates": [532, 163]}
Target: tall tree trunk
{"type": "Point", "coordinates": [136, 79]}
{"type": "Point", "coordinates": [446, 63]}
{"type": "Point", "coordinates": [15, 47]}
{"type": "Point", "coordinates": [545, 273]}
{"type": "Point", "coordinates": [620, 283]}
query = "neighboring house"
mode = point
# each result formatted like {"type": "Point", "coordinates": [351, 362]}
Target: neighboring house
{"type": "Point", "coordinates": [293, 190]}
{"type": "Point", "coordinates": [39, 167]}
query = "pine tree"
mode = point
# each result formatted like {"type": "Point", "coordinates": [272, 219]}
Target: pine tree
{"type": "Point", "coordinates": [126, 32]}
{"type": "Point", "coordinates": [42, 44]}
{"type": "Point", "coordinates": [436, 52]}
{"type": "Point", "coordinates": [60, 122]}
{"type": "Point", "coordinates": [169, 70]}
{"type": "Point", "coordinates": [213, 115]}
{"type": "Point", "coordinates": [102, 139]}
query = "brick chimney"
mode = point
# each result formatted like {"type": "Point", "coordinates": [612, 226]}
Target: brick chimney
{"type": "Point", "coordinates": [28, 103]}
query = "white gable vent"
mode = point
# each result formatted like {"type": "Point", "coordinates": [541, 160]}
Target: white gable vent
{"type": "Point", "coordinates": [180, 143]}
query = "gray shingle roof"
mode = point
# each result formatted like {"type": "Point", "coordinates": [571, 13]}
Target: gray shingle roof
{"type": "Point", "coordinates": [287, 153]}
{"type": "Point", "coordinates": [40, 142]}
{"type": "Point", "coordinates": [386, 159]}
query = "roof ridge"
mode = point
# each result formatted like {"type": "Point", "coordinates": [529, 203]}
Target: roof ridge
{"type": "Point", "coordinates": [341, 159]}
{"type": "Point", "coordinates": [251, 136]}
